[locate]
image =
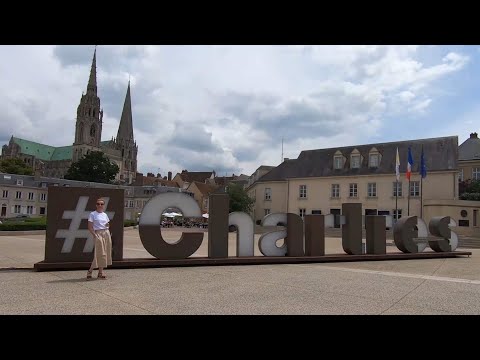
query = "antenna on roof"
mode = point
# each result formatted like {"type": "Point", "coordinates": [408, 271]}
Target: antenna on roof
{"type": "Point", "coordinates": [281, 161]}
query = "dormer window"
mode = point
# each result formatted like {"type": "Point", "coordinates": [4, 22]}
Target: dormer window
{"type": "Point", "coordinates": [19, 182]}
{"type": "Point", "coordinates": [355, 161]}
{"type": "Point", "coordinates": [374, 158]}
{"type": "Point", "coordinates": [338, 162]}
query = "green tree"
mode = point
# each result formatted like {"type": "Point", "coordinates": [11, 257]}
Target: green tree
{"type": "Point", "coordinates": [15, 166]}
{"type": "Point", "coordinates": [469, 190]}
{"type": "Point", "coordinates": [94, 167]}
{"type": "Point", "coordinates": [239, 199]}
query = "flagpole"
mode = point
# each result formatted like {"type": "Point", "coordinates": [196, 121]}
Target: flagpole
{"type": "Point", "coordinates": [422, 174]}
{"type": "Point", "coordinates": [421, 197]}
{"type": "Point", "coordinates": [396, 201]}
{"type": "Point", "coordinates": [408, 199]}
{"type": "Point", "coordinates": [409, 175]}
{"type": "Point", "coordinates": [397, 175]}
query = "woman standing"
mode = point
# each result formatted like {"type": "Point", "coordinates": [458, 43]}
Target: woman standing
{"type": "Point", "coordinates": [98, 224]}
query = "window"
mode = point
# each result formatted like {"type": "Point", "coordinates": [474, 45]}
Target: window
{"type": "Point", "coordinates": [460, 175]}
{"type": "Point", "coordinates": [335, 190]}
{"type": "Point", "coordinates": [353, 190]}
{"type": "Point", "coordinates": [267, 211]}
{"type": "Point", "coordinates": [465, 223]}
{"type": "Point", "coordinates": [303, 191]}
{"type": "Point", "coordinates": [476, 173]}
{"type": "Point", "coordinates": [475, 217]}
{"type": "Point", "coordinates": [19, 182]}
{"type": "Point", "coordinates": [30, 196]}
{"type": "Point", "coordinates": [18, 195]}
{"type": "Point", "coordinates": [16, 209]}
{"type": "Point", "coordinates": [42, 211]}
{"type": "Point", "coordinates": [302, 213]}
{"type": "Point", "coordinates": [395, 214]}
{"type": "Point", "coordinates": [338, 162]}
{"type": "Point", "coordinates": [373, 160]}
{"type": "Point", "coordinates": [130, 203]}
{"type": "Point", "coordinates": [372, 189]}
{"type": "Point", "coordinates": [30, 209]}
{"type": "Point", "coordinates": [415, 188]}
{"type": "Point", "coordinates": [268, 194]}
{"type": "Point", "coordinates": [5, 194]}
{"type": "Point", "coordinates": [397, 187]}
{"type": "Point", "coordinates": [43, 197]}
{"type": "Point", "coordinates": [355, 161]}
{"type": "Point", "coordinates": [316, 212]}
{"type": "Point", "coordinates": [80, 132]}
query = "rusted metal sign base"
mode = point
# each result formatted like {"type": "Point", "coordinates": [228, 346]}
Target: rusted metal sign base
{"type": "Point", "coordinates": [131, 263]}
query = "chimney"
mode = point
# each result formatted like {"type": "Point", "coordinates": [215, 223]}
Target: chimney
{"type": "Point", "coordinates": [169, 176]}
{"type": "Point", "coordinates": [474, 135]}
{"type": "Point", "coordinates": [139, 179]}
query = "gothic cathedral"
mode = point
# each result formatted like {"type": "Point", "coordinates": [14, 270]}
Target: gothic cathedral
{"type": "Point", "coordinates": [55, 161]}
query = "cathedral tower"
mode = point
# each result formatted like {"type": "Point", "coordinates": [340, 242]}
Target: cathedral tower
{"type": "Point", "coordinates": [125, 142]}
{"type": "Point", "coordinates": [88, 128]}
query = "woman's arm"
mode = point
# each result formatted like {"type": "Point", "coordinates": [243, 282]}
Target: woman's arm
{"type": "Point", "coordinates": [90, 228]}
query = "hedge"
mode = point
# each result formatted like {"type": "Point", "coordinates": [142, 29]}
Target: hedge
{"type": "Point", "coordinates": [37, 224]}
{"type": "Point", "coordinates": [22, 226]}
{"type": "Point", "coordinates": [470, 196]}
{"type": "Point", "coordinates": [129, 223]}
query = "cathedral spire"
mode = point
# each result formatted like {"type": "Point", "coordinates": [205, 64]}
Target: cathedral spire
{"type": "Point", "coordinates": [92, 81]}
{"type": "Point", "coordinates": [125, 129]}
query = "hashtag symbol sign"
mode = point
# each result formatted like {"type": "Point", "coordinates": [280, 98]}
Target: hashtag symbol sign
{"type": "Point", "coordinates": [74, 232]}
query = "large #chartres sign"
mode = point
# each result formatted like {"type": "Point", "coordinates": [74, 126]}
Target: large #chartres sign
{"type": "Point", "coordinates": [67, 236]}
{"type": "Point", "coordinates": [68, 241]}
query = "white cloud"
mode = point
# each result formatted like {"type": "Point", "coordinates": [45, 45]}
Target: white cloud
{"type": "Point", "coordinates": [234, 102]}
{"type": "Point", "coordinates": [422, 105]}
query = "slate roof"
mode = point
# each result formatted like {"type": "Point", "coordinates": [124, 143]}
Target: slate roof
{"type": "Point", "coordinates": [441, 154]}
{"type": "Point", "coordinates": [470, 149]}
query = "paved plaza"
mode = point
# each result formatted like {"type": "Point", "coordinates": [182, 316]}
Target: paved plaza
{"type": "Point", "coordinates": [424, 286]}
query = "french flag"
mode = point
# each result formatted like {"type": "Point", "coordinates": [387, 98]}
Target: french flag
{"type": "Point", "coordinates": [410, 163]}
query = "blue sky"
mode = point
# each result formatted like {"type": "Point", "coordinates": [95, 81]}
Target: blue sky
{"type": "Point", "coordinates": [226, 108]}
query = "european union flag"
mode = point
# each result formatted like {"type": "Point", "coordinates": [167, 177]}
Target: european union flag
{"type": "Point", "coordinates": [423, 166]}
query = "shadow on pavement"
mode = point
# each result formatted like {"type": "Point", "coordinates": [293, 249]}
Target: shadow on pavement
{"type": "Point", "coordinates": [82, 279]}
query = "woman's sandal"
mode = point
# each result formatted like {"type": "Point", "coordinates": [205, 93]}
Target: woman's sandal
{"type": "Point", "coordinates": [101, 276]}
{"type": "Point", "coordinates": [89, 274]}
